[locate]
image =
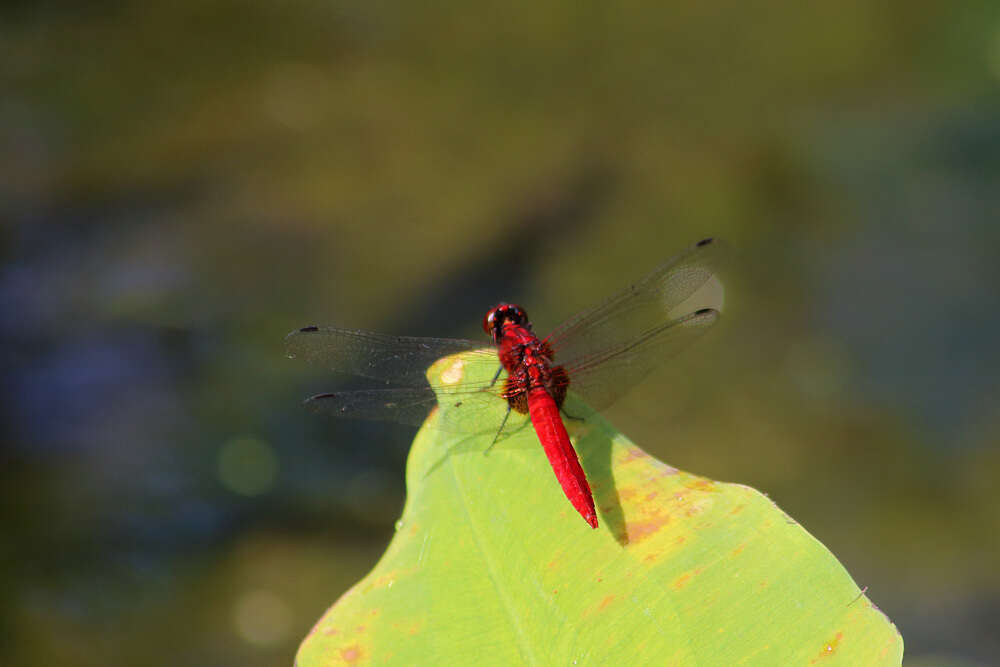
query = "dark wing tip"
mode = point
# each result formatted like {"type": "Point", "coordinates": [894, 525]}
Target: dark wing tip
{"type": "Point", "coordinates": [706, 311]}
{"type": "Point", "coordinates": [292, 341]}
{"type": "Point", "coordinates": [319, 403]}
{"type": "Point", "coordinates": [704, 242]}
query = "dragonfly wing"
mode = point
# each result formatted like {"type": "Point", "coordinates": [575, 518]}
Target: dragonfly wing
{"type": "Point", "coordinates": [605, 375]}
{"type": "Point", "coordinates": [401, 360]}
{"type": "Point", "coordinates": [469, 411]}
{"type": "Point", "coordinates": [648, 306]}
{"type": "Point", "coordinates": [406, 406]}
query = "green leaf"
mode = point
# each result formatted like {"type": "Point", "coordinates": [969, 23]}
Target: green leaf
{"type": "Point", "coordinates": [491, 565]}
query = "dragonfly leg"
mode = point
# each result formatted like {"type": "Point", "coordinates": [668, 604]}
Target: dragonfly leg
{"type": "Point", "coordinates": [573, 417]}
{"type": "Point", "coordinates": [497, 376]}
{"type": "Point", "coordinates": [499, 430]}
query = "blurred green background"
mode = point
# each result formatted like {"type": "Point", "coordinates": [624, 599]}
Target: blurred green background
{"type": "Point", "coordinates": [182, 183]}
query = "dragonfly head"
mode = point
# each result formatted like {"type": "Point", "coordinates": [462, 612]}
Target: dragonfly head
{"type": "Point", "coordinates": [503, 314]}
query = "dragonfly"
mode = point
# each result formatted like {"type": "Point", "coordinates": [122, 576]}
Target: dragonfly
{"type": "Point", "coordinates": [598, 354]}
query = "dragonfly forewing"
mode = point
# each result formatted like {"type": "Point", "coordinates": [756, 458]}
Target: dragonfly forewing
{"type": "Point", "coordinates": [400, 360]}
{"type": "Point", "coordinates": [646, 306]}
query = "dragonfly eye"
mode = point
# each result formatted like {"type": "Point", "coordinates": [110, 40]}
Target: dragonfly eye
{"type": "Point", "coordinates": [489, 320]}
{"type": "Point", "coordinates": [500, 315]}
{"type": "Point", "coordinates": [516, 315]}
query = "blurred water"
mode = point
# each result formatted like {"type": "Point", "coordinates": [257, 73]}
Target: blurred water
{"type": "Point", "coordinates": [913, 291]}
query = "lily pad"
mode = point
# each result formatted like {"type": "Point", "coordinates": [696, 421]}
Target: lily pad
{"type": "Point", "coordinates": [490, 564]}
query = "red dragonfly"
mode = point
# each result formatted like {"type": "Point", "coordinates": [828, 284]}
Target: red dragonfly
{"type": "Point", "coordinates": [602, 352]}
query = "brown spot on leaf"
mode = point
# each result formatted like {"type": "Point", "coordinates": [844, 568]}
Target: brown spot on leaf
{"type": "Point", "coordinates": [640, 530]}
{"type": "Point", "coordinates": [351, 654]}
{"type": "Point", "coordinates": [737, 509]}
{"type": "Point", "coordinates": [828, 649]}
{"type": "Point", "coordinates": [682, 581]}
{"type": "Point", "coordinates": [606, 601]}
{"type": "Point", "coordinates": [633, 454]}
{"type": "Point", "coordinates": [701, 484]}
